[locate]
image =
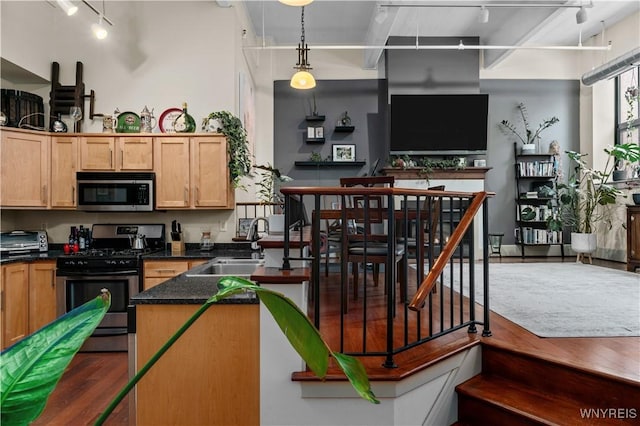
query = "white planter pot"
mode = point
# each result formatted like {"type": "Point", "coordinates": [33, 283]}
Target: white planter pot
{"type": "Point", "coordinates": [529, 148]}
{"type": "Point", "coordinates": [276, 224]}
{"type": "Point", "coordinates": [583, 243]}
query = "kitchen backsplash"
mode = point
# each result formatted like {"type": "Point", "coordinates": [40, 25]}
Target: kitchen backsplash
{"type": "Point", "coordinates": [221, 224]}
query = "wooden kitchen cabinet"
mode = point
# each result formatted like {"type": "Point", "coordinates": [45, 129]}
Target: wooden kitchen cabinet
{"type": "Point", "coordinates": [633, 238]}
{"type": "Point", "coordinates": [218, 360]}
{"type": "Point", "coordinates": [210, 182]}
{"type": "Point", "coordinates": [203, 184]}
{"type": "Point", "coordinates": [42, 294]}
{"type": "Point", "coordinates": [14, 294]}
{"type": "Point", "coordinates": [64, 165]}
{"type": "Point", "coordinates": [159, 271]}
{"type": "Point", "coordinates": [110, 153]}
{"type": "Point", "coordinates": [24, 167]}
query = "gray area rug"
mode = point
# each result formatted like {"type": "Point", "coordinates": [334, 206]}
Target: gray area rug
{"type": "Point", "coordinates": [562, 299]}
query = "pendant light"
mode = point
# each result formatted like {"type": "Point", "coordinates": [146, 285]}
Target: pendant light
{"type": "Point", "coordinates": [303, 78]}
{"type": "Point", "coordinates": [296, 2]}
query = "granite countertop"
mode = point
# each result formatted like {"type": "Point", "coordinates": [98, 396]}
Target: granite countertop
{"type": "Point", "coordinates": [185, 290]}
{"type": "Point", "coordinates": [31, 257]}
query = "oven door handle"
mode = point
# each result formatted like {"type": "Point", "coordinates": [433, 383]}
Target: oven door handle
{"type": "Point", "coordinates": [96, 274]}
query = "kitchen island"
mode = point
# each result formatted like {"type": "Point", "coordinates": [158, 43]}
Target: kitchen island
{"type": "Point", "coordinates": [211, 375]}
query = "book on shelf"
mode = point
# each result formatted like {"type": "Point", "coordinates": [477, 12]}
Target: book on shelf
{"type": "Point", "coordinates": [537, 236]}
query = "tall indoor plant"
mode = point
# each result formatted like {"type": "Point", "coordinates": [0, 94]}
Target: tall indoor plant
{"type": "Point", "coordinates": [586, 199]}
{"type": "Point", "coordinates": [269, 194]}
{"type": "Point", "coordinates": [529, 138]}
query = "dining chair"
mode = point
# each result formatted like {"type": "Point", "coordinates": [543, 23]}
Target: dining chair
{"type": "Point", "coordinates": [368, 242]}
{"type": "Point", "coordinates": [426, 236]}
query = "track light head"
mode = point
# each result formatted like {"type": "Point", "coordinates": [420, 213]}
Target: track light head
{"type": "Point", "coordinates": [99, 30]}
{"type": "Point", "coordinates": [483, 17]}
{"type": "Point", "coordinates": [68, 7]}
{"type": "Point", "coordinates": [581, 15]}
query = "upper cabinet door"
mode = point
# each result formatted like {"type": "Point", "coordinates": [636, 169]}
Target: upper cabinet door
{"type": "Point", "coordinates": [135, 153]}
{"type": "Point", "coordinates": [64, 164]}
{"type": "Point", "coordinates": [171, 160]}
{"type": "Point", "coordinates": [25, 169]}
{"type": "Point", "coordinates": [210, 172]}
{"type": "Point", "coordinates": [97, 153]}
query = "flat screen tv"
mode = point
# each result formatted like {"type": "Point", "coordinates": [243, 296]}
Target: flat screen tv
{"type": "Point", "coordinates": [439, 124]}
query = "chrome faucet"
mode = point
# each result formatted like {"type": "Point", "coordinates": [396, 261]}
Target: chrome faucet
{"type": "Point", "coordinates": [252, 235]}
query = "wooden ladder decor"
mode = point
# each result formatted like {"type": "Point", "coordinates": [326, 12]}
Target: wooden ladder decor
{"type": "Point", "coordinates": [62, 98]}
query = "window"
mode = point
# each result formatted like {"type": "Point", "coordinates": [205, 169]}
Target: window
{"type": "Point", "coordinates": [627, 117]}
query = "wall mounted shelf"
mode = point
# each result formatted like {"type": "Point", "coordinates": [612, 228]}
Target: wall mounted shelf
{"type": "Point", "coordinates": [344, 129]}
{"type": "Point", "coordinates": [314, 118]}
{"type": "Point", "coordinates": [330, 163]}
{"type": "Point", "coordinates": [314, 140]}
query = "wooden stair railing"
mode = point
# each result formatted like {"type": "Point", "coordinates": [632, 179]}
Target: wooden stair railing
{"type": "Point", "coordinates": [417, 303]}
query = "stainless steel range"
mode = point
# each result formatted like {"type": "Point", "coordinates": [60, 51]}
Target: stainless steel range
{"type": "Point", "coordinates": [110, 263]}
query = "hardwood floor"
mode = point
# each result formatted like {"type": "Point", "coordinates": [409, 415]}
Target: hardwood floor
{"type": "Point", "coordinates": [93, 379]}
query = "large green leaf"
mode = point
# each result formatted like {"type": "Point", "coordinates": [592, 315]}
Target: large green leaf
{"type": "Point", "coordinates": [357, 375]}
{"type": "Point", "coordinates": [30, 369]}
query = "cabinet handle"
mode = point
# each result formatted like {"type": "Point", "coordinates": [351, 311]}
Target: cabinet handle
{"type": "Point", "coordinates": [73, 193]}
{"type": "Point", "coordinates": [44, 194]}
{"type": "Point", "coordinates": [2, 300]}
{"type": "Point", "coordinates": [197, 194]}
{"type": "Point", "coordinates": [110, 158]}
{"type": "Point", "coordinates": [166, 270]}
{"type": "Point", "coordinates": [121, 158]}
{"type": "Point", "coordinates": [186, 195]}
{"type": "Point", "coordinates": [53, 278]}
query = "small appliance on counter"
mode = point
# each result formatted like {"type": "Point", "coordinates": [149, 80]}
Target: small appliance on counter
{"type": "Point", "coordinates": [23, 242]}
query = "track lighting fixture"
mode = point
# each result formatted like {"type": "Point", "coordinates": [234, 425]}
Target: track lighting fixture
{"type": "Point", "coordinates": [303, 78]}
{"type": "Point", "coordinates": [99, 31]}
{"type": "Point", "coordinates": [581, 15]}
{"type": "Point", "coordinates": [68, 7]}
{"type": "Point", "coordinates": [483, 17]}
{"type": "Point", "coordinates": [295, 2]}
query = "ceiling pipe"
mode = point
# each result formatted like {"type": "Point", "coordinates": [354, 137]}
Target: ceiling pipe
{"type": "Point", "coordinates": [613, 68]}
{"type": "Point", "coordinates": [459, 46]}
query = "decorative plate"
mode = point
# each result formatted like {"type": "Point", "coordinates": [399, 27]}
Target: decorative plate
{"type": "Point", "coordinates": [167, 118]}
{"type": "Point", "coordinates": [128, 122]}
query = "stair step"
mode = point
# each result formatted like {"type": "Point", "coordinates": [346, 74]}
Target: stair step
{"type": "Point", "coordinates": [487, 399]}
{"type": "Point", "coordinates": [593, 389]}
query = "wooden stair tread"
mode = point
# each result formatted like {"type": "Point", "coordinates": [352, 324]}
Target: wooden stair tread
{"type": "Point", "coordinates": [538, 407]}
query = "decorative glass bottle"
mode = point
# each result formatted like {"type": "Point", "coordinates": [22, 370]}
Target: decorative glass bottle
{"type": "Point", "coordinates": [184, 123]}
{"type": "Point", "coordinates": [205, 241]}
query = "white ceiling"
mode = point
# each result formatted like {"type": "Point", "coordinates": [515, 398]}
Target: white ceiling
{"type": "Point", "coordinates": [353, 22]}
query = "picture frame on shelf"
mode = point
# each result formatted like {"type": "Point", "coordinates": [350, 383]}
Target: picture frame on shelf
{"type": "Point", "coordinates": [343, 152]}
{"type": "Point", "coordinates": [311, 132]}
{"type": "Point", "coordinates": [243, 226]}
{"type": "Point", "coordinates": [319, 131]}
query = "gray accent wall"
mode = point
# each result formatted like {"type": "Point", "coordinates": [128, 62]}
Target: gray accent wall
{"type": "Point", "coordinates": [366, 103]}
{"type": "Point", "coordinates": [543, 99]}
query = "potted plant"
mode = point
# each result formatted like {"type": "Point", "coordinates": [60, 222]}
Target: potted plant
{"type": "Point", "coordinates": [269, 193]}
{"type": "Point", "coordinates": [585, 201]}
{"type": "Point", "coordinates": [529, 138]}
{"type": "Point", "coordinates": [237, 144]}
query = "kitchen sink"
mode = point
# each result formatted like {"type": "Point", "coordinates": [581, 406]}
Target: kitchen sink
{"type": "Point", "coordinates": [226, 266]}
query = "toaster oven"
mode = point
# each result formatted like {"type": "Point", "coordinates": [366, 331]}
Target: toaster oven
{"type": "Point", "coordinates": [19, 242]}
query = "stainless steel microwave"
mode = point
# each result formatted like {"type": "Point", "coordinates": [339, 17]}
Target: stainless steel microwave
{"type": "Point", "coordinates": [116, 191]}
